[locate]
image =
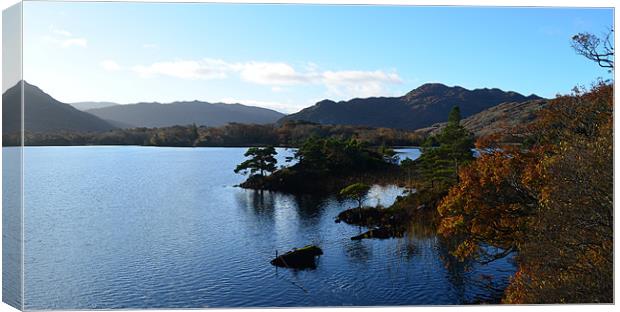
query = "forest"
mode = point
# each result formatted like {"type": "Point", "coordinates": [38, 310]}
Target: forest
{"type": "Point", "coordinates": [289, 134]}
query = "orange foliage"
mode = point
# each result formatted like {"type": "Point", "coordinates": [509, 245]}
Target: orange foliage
{"type": "Point", "coordinates": [551, 201]}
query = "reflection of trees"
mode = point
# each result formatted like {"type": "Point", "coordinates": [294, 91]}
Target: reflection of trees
{"type": "Point", "coordinates": [260, 203]}
{"type": "Point", "coordinates": [357, 251]}
{"type": "Point", "coordinates": [422, 226]}
{"type": "Point", "coordinates": [309, 207]}
{"type": "Point", "coordinates": [457, 270]}
{"type": "Point", "coordinates": [472, 286]}
{"type": "Point", "coordinates": [264, 204]}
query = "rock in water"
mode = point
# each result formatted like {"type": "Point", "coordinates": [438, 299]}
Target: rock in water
{"type": "Point", "coordinates": [381, 233]}
{"type": "Point", "coordinates": [299, 258]}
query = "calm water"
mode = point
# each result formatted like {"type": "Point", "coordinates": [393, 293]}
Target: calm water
{"type": "Point", "coordinates": [137, 227]}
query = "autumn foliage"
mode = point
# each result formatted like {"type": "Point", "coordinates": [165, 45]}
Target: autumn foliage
{"type": "Point", "coordinates": [551, 202]}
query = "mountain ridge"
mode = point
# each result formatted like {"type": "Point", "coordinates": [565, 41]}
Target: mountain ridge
{"type": "Point", "coordinates": [155, 114]}
{"type": "Point", "coordinates": [44, 113]}
{"type": "Point", "coordinates": [418, 108]}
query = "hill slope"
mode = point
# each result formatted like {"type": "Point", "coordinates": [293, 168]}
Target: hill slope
{"type": "Point", "coordinates": [185, 113]}
{"type": "Point", "coordinates": [44, 113]}
{"type": "Point", "coordinates": [495, 119]}
{"type": "Point", "coordinates": [422, 107]}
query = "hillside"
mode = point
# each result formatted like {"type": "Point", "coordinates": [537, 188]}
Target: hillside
{"type": "Point", "coordinates": [494, 119]}
{"type": "Point", "coordinates": [44, 113]}
{"type": "Point", "coordinates": [185, 113]}
{"type": "Point", "coordinates": [422, 107]}
{"type": "Point", "coordinates": [84, 106]}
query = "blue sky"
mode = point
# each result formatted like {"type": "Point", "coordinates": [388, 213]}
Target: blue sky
{"type": "Point", "coordinates": [287, 57]}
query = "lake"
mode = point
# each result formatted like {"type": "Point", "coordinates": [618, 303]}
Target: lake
{"type": "Point", "coordinates": [154, 227]}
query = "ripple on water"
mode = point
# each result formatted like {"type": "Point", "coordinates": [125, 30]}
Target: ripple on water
{"type": "Point", "coordinates": [133, 227]}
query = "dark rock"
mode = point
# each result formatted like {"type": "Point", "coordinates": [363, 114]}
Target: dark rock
{"type": "Point", "coordinates": [299, 258]}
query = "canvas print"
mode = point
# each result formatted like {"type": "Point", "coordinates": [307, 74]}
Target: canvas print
{"type": "Point", "coordinates": [219, 155]}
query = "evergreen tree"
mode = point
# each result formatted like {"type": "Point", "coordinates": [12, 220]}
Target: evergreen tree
{"type": "Point", "coordinates": [441, 163]}
{"type": "Point", "coordinates": [262, 160]}
{"type": "Point", "coordinates": [357, 192]}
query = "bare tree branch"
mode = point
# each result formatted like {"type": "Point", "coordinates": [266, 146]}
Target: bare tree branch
{"type": "Point", "coordinates": [595, 49]}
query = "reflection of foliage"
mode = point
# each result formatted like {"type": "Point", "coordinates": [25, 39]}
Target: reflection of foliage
{"type": "Point", "coordinates": [552, 202]}
{"type": "Point", "coordinates": [358, 252]}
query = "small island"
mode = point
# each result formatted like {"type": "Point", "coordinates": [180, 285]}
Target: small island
{"type": "Point", "coordinates": [347, 168]}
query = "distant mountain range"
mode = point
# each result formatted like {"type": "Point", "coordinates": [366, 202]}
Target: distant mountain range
{"type": "Point", "coordinates": [44, 113]}
{"type": "Point", "coordinates": [422, 107]}
{"type": "Point", "coordinates": [185, 113]}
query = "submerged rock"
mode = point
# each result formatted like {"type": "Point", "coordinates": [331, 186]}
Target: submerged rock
{"type": "Point", "coordinates": [381, 232]}
{"type": "Point", "coordinates": [299, 258]}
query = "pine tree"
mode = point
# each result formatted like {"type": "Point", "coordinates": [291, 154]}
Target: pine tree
{"type": "Point", "coordinates": [440, 164]}
{"type": "Point", "coordinates": [262, 160]}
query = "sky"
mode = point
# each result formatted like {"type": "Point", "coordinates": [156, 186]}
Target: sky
{"type": "Point", "coordinates": [287, 57]}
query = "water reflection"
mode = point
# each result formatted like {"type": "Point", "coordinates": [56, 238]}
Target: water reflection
{"type": "Point", "coordinates": [259, 203]}
{"type": "Point", "coordinates": [210, 244]}
{"type": "Point", "coordinates": [309, 207]}
{"type": "Point", "coordinates": [357, 251]}
{"type": "Point", "coordinates": [421, 245]}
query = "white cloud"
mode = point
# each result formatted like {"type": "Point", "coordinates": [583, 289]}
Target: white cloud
{"type": "Point", "coordinates": [343, 83]}
{"type": "Point", "coordinates": [78, 42]}
{"type": "Point", "coordinates": [110, 65]}
{"type": "Point", "coordinates": [61, 32]}
{"type": "Point", "coordinates": [64, 38]}
{"type": "Point", "coordinates": [357, 76]}
{"type": "Point", "coordinates": [275, 74]}
{"type": "Point", "coordinates": [355, 83]}
{"type": "Point", "coordinates": [203, 69]}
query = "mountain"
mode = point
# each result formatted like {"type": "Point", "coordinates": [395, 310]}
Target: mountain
{"type": "Point", "coordinates": [422, 107]}
{"type": "Point", "coordinates": [44, 113]}
{"type": "Point", "coordinates": [185, 113]}
{"type": "Point", "coordinates": [495, 119]}
{"type": "Point", "coordinates": [84, 106]}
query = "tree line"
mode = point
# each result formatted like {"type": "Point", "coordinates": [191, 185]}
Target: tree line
{"type": "Point", "coordinates": [293, 133]}
{"type": "Point", "coordinates": [321, 165]}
